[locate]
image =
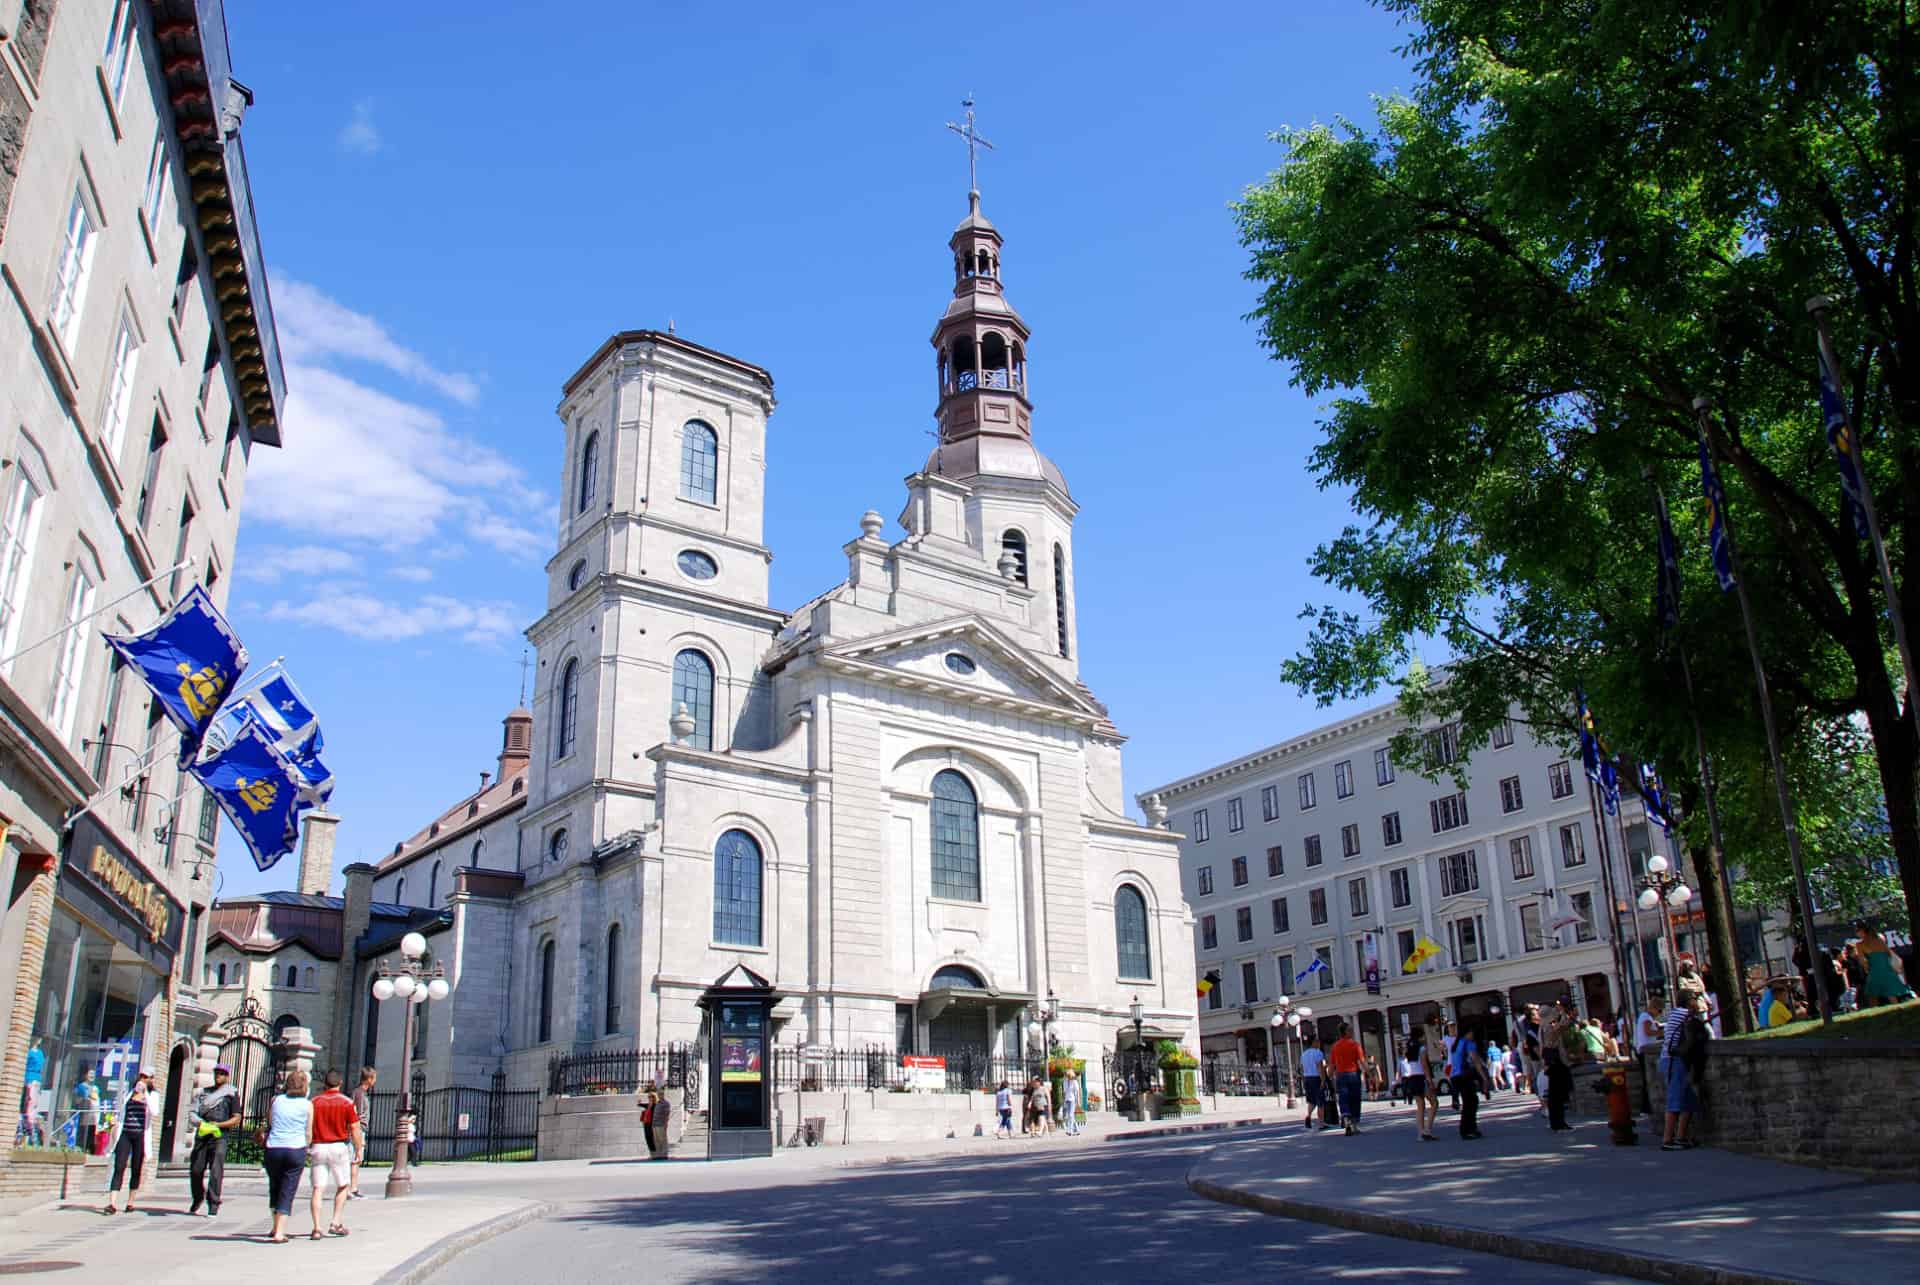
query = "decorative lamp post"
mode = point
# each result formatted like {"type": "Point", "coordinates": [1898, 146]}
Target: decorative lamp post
{"type": "Point", "coordinates": [1048, 1016]}
{"type": "Point", "coordinates": [1283, 1023]}
{"type": "Point", "coordinates": [1663, 889]}
{"type": "Point", "coordinates": [413, 984]}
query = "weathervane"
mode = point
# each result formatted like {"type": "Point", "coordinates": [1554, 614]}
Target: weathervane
{"type": "Point", "coordinates": [974, 141]}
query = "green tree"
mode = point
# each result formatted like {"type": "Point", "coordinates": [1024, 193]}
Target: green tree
{"type": "Point", "coordinates": [1512, 288]}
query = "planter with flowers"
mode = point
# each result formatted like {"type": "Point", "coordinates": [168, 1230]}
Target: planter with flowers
{"type": "Point", "coordinates": [1180, 1072]}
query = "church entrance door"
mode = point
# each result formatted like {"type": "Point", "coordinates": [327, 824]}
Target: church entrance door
{"type": "Point", "coordinates": [962, 1035]}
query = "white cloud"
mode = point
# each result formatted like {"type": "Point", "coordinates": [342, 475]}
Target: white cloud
{"type": "Point", "coordinates": [313, 327]}
{"type": "Point", "coordinates": [360, 134]}
{"type": "Point", "coordinates": [415, 574]}
{"type": "Point", "coordinates": [351, 610]}
{"type": "Point", "coordinates": [268, 565]}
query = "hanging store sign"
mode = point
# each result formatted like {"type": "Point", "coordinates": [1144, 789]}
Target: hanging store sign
{"type": "Point", "coordinates": [106, 882]}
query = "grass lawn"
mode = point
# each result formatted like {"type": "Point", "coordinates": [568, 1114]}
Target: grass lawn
{"type": "Point", "coordinates": [1888, 1022]}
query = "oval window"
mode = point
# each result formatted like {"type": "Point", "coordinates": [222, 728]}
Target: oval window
{"type": "Point", "coordinates": [960, 664]}
{"type": "Point", "coordinates": [696, 565]}
{"type": "Point", "coordinates": [577, 575]}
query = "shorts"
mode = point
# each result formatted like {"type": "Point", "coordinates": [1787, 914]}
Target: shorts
{"type": "Point", "coordinates": [1416, 1086]}
{"type": "Point", "coordinates": [332, 1164]}
{"type": "Point", "coordinates": [1681, 1099]}
{"type": "Point", "coordinates": [1313, 1083]}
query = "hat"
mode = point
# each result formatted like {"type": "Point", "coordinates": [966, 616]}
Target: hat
{"type": "Point", "coordinates": [222, 1066]}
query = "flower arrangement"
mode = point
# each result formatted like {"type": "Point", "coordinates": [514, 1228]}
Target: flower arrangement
{"type": "Point", "coordinates": [1171, 1055]}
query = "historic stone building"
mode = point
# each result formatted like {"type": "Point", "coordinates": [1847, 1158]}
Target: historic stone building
{"type": "Point", "coordinates": [898, 802]}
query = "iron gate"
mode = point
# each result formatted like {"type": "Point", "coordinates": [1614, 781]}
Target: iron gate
{"type": "Point", "coordinates": [256, 1060]}
{"type": "Point", "coordinates": [459, 1122]}
{"type": "Point", "coordinates": [1129, 1073]}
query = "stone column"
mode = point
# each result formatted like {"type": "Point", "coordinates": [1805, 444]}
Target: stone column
{"type": "Point", "coordinates": [316, 852]}
{"type": "Point", "coordinates": [212, 1040]}
{"type": "Point", "coordinates": [26, 978]}
{"type": "Point", "coordinates": [297, 1050]}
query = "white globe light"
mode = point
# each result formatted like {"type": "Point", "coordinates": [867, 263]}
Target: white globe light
{"type": "Point", "coordinates": [1304, 1012]}
{"type": "Point", "coordinates": [1293, 1019]}
{"type": "Point", "coordinates": [1649, 899]}
{"type": "Point", "coordinates": [1680, 896]}
{"type": "Point", "coordinates": [1277, 1021]}
{"type": "Point", "coordinates": [403, 985]}
{"type": "Point", "coordinates": [1656, 864]}
{"type": "Point", "coordinates": [438, 988]}
{"type": "Point", "coordinates": [383, 989]}
{"type": "Point", "coordinates": [419, 995]}
{"type": "Point", "coordinates": [413, 945]}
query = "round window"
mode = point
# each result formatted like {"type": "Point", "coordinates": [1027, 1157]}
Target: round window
{"type": "Point", "coordinates": [697, 565]}
{"type": "Point", "coordinates": [960, 664]}
{"type": "Point", "coordinates": [577, 574]}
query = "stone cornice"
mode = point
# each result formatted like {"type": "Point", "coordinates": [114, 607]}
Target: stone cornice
{"type": "Point", "coordinates": [1311, 743]}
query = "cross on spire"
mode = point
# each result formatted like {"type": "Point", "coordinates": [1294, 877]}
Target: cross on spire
{"type": "Point", "coordinates": [524, 665]}
{"type": "Point", "coordinates": [974, 142]}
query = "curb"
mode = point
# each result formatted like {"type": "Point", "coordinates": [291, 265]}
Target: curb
{"type": "Point", "coordinates": [1527, 1248]}
{"type": "Point", "coordinates": [417, 1269]}
{"type": "Point", "coordinates": [1173, 1130]}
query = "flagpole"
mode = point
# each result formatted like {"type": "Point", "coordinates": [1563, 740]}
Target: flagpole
{"type": "Point", "coordinates": [133, 769]}
{"type": "Point", "coordinates": [72, 625]}
{"type": "Point", "coordinates": [1802, 894]}
{"type": "Point", "coordinates": [1606, 889]}
{"type": "Point", "coordinates": [1818, 306]}
{"type": "Point", "coordinates": [1633, 907]}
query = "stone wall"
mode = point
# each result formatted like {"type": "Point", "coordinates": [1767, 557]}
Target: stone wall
{"type": "Point", "coordinates": [597, 1126]}
{"type": "Point", "coordinates": [1835, 1104]}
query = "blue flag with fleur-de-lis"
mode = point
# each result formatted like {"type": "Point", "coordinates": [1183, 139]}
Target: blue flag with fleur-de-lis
{"type": "Point", "coordinates": [1717, 540]}
{"type": "Point", "coordinates": [258, 789]}
{"type": "Point", "coordinates": [191, 659]}
{"type": "Point", "coordinates": [1846, 453]}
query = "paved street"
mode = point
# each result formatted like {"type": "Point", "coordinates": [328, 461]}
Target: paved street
{"type": "Point", "coordinates": [1054, 1211]}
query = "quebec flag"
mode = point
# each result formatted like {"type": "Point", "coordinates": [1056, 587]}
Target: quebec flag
{"type": "Point", "coordinates": [190, 660]}
{"type": "Point", "coordinates": [258, 789]}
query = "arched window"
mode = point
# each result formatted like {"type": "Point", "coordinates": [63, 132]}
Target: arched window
{"type": "Point", "coordinates": [953, 977]}
{"type": "Point", "coordinates": [400, 890]}
{"type": "Point", "coordinates": [567, 715]}
{"type": "Point", "coordinates": [546, 993]}
{"type": "Point", "coordinates": [1130, 932]}
{"type": "Point", "coordinates": [293, 977]}
{"type": "Point", "coordinates": [1016, 544]}
{"type": "Point", "coordinates": [308, 977]}
{"type": "Point", "coordinates": [433, 886]}
{"type": "Point", "coordinates": [699, 463]}
{"type": "Point", "coordinates": [557, 847]}
{"type": "Point", "coordinates": [1060, 597]}
{"type": "Point", "coordinates": [956, 838]}
{"type": "Point", "coordinates": [589, 470]}
{"type": "Point", "coordinates": [693, 687]}
{"type": "Point", "coordinates": [613, 980]}
{"type": "Point", "coordinates": [577, 574]}
{"type": "Point", "coordinates": [219, 974]}
{"type": "Point", "coordinates": [736, 889]}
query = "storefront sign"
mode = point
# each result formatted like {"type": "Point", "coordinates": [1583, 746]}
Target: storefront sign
{"type": "Point", "coordinates": [99, 875]}
{"type": "Point", "coordinates": [925, 1072]}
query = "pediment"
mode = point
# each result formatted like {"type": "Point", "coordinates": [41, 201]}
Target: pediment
{"type": "Point", "coordinates": [1003, 674]}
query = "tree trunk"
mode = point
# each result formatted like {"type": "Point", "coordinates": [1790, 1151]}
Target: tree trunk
{"type": "Point", "coordinates": [1894, 752]}
{"type": "Point", "coordinates": [1723, 949]}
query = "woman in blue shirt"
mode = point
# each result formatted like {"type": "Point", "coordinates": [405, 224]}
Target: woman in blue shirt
{"type": "Point", "coordinates": [289, 1129]}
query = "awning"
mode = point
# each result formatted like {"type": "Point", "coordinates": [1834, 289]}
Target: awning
{"type": "Point", "coordinates": [935, 1002]}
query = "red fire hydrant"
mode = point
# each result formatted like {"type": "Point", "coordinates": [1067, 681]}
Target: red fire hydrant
{"type": "Point", "coordinates": [1619, 1105]}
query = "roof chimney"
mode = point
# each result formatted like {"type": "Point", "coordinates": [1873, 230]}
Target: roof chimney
{"type": "Point", "coordinates": [316, 851]}
{"type": "Point", "coordinates": [516, 744]}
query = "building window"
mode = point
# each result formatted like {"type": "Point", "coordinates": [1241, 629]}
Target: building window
{"type": "Point", "coordinates": [1573, 846]}
{"type": "Point", "coordinates": [181, 540]}
{"type": "Point", "coordinates": [1449, 812]}
{"type": "Point", "coordinates": [307, 977]}
{"type": "Point", "coordinates": [1312, 845]}
{"type": "Point", "coordinates": [18, 526]}
{"type": "Point", "coordinates": [433, 886]}
{"type": "Point", "coordinates": [117, 57]}
{"type": "Point", "coordinates": [1307, 797]}
{"type": "Point", "coordinates": [155, 190]}
{"type": "Point", "coordinates": [1214, 997]}
{"type": "Point", "coordinates": [1531, 936]}
{"type": "Point", "coordinates": [693, 691]}
{"type": "Point", "coordinates": [1404, 940]}
{"type": "Point", "coordinates": [1130, 932]}
{"type": "Point", "coordinates": [184, 279]}
{"type": "Point", "coordinates": [1284, 965]}
{"type": "Point", "coordinates": [1443, 746]}
{"type": "Point", "coordinates": [1249, 983]}
{"type": "Point", "coordinates": [1400, 886]}
{"type": "Point", "coordinates": [1503, 734]}
{"type": "Point", "coordinates": [576, 575]}
{"type": "Point", "coordinates": [546, 993]}
{"type": "Point", "coordinates": [1206, 881]}
{"type": "Point", "coordinates": [1201, 830]}
{"type": "Point", "coordinates": [1350, 840]}
{"type": "Point", "coordinates": [1343, 779]}
{"type": "Point", "coordinates": [209, 819]}
{"type": "Point", "coordinates": [1390, 829]}
{"type": "Point", "coordinates": [1239, 872]}
{"type": "Point", "coordinates": [1013, 545]}
{"type": "Point", "coordinates": [956, 838]}
{"type": "Point", "coordinates": [1325, 955]}
{"type": "Point", "coordinates": [736, 889]}
{"type": "Point", "coordinates": [1382, 767]}
{"type": "Point", "coordinates": [1209, 933]}
{"type": "Point", "coordinates": [400, 891]}
{"type": "Point", "coordinates": [71, 659]}
{"type": "Point", "coordinates": [1060, 598]}
{"type": "Point", "coordinates": [567, 725]}
{"type": "Point", "coordinates": [1280, 919]}
{"type": "Point", "coordinates": [1243, 924]}
{"type": "Point", "coordinates": [1510, 800]}
{"type": "Point", "coordinates": [1581, 903]}
{"type": "Point", "coordinates": [110, 723]}
{"type": "Point", "coordinates": [1459, 872]}
{"type": "Point", "coordinates": [1466, 935]}
{"type": "Point", "coordinates": [150, 480]}
{"type": "Point", "coordinates": [699, 463]}
{"type": "Point", "coordinates": [589, 471]}
{"type": "Point", "coordinates": [557, 847]}
{"type": "Point", "coordinates": [118, 406]}
{"type": "Point", "coordinates": [1270, 803]}
{"type": "Point", "coordinates": [1520, 849]}
{"type": "Point", "coordinates": [1560, 779]}
{"type": "Point", "coordinates": [1360, 958]}
{"type": "Point", "coordinates": [1357, 897]}
{"type": "Point", "coordinates": [75, 267]}
{"type": "Point", "coordinates": [1235, 820]}
{"type": "Point", "coordinates": [1275, 865]}
{"type": "Point", "coordinates": [1317, 905]}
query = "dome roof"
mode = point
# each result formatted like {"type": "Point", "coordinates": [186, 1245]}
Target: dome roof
{"type": "Point", "coordinates": [986, 455]}
{"type": "Point", "coordinates": [975, 221]}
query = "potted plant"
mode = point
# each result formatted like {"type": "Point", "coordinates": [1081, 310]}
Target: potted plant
{"type": "Point", "coordinates": [1062, 1066]}
{"type": "Point", "coordinates": [1180, 1071]}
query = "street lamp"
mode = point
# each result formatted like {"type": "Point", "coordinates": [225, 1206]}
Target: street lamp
{"type": "Point", "coordinates": [1663, 889]}
{"type": "Point", "coordinates": [413, 984]}
{"type": "Point", "coordinates": [1139, 1012]}
{"type": "Point", "coordinates": [1048, 1016]}
{"type": "Point", "coordinates": [1284, 1023]}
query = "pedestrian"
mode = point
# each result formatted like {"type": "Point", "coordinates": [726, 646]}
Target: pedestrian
{"type": "Point", "coordinates": [1646, 1027]}
{"type": "Point", "coordinates": [289, 1130]}
{"type": "Point", "coordinates": [1312, 1062]}
{"type": "Point", "coordinates": [1559, 1075]}
{"type": "Point", "coordinates": [86, 1109]}
{"type": "Point", "coordinates": [1682, 1100]}
{"type": "Point", "coordinates": [1833, 980]}
{"type": "Point", "coordinates": [1433, 1063]}
{"type": "Point", "coordinates": [1468, 1070]}
{"type": "Point", "coordinates": [1532, 1059]}
{"type": "Point", "coordinates": [1070, 1105]}
{"type": "Point", "coordinates": [1884, 983]}
{"type": "Point", "coordinates": [1037, 1106]}
{"type": "Point", "coordinates": [1003, 1104]}
{"type": "Point", "coordinates": [363, 1107]}
{"type": "Point", "coordinates": [336, 1137]}
{"type": "Point", "coordinates": [1414, 1069]}
{"type": "Point", "coordinates": [130, 1148]}
{"type": "Point", "coordinates": [1856, 966]}
{"type": "Point", "coordinates": [212, 1113]}
{"type": "Point", "coordinates": [1346, 1057]}
{"type": "Point", "coordinates": [1496, 1065]}
{"type": "Point", "coordinates": [662, 1120]}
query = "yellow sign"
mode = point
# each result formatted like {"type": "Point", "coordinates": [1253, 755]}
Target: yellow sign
{"type": "Point", "coordinates": [138, 891]}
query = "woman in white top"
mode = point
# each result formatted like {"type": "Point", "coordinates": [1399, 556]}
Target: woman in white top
{"type": "Point", "coordinates": [289, 1130]}
{"type": "Point", "coordinates": [1311, 1063]}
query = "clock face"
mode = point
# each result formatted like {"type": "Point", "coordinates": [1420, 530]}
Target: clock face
{"type": "Point", "coordinates": [696, 565]}
{"type": "Point", "coordinates": [959, 664]}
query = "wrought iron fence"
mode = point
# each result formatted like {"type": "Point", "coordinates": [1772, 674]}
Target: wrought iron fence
{"type": "Point", "coordinates": [1127, 1074]}
{"type": "Point", "coordinates": [459, 1122]}
{"type": "Point", "coordinates": [622, 1070]}
{"type": "Point", "coordinates": [813, 1069]}
{"type": "Point", "coordinates": [1236, 1078]}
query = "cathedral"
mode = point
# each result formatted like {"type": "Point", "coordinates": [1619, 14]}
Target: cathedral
{"type": "Point", "coordinates": [897, 803]}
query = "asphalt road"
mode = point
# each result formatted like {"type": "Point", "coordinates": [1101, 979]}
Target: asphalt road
{"type": "Point", "coordinates": [1054, 1211]}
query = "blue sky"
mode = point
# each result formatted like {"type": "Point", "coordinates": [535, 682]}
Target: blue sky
{"type": "Point", "coordinates": [458, 213]}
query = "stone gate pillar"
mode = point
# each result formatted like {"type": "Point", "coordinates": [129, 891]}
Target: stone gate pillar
{"type": "Point", "coordinates": [296, 1049]}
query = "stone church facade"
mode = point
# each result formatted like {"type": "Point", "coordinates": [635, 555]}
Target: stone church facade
{"type": "Point", "coordinates": [898, 802]}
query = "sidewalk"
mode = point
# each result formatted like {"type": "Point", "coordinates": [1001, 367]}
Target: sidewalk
{"type": "Point", "coordinates": [1575, 1199]}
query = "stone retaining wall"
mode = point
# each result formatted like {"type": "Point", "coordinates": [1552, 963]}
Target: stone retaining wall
{"type": "Point", "coordinates": [597, 1126]}
{"type": "Point", "coordinates": [1836, 1104]}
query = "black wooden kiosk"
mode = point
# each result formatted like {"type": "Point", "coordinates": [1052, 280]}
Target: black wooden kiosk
{"type": "Point", "coordinates": [739, 1009]}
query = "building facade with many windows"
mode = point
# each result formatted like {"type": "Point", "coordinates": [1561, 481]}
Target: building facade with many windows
{"type": "Point", "coordinates": [138, 371]}
{"type": "Point", "coordinates": [1306, 861]}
